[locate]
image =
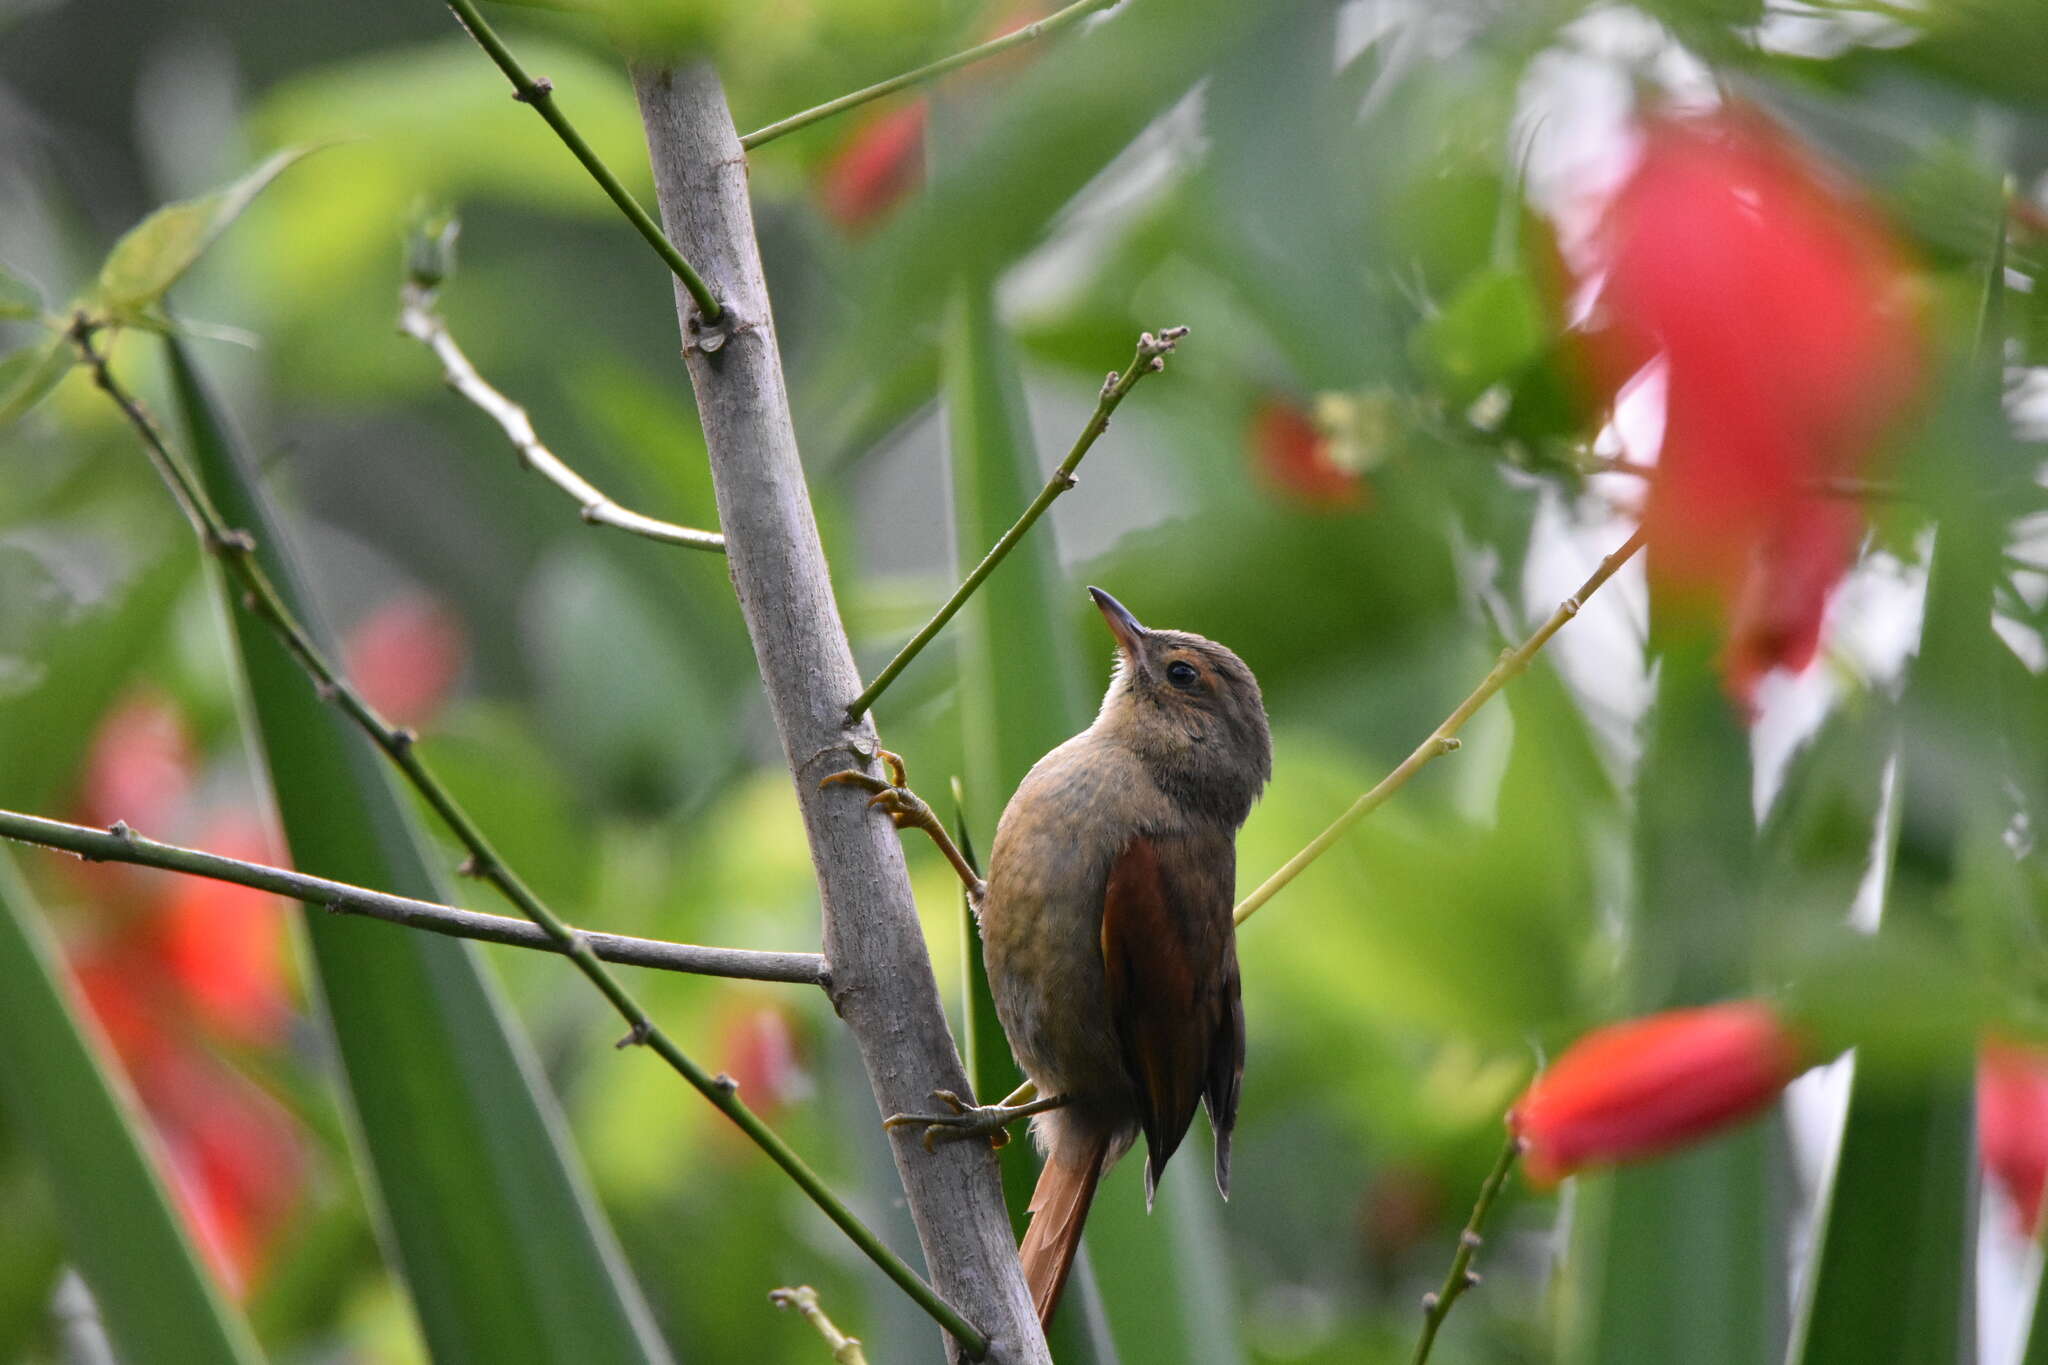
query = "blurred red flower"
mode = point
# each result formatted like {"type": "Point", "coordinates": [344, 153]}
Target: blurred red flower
{"type": "Point", "coordinates": [405, 657]}
{"type": "Point", "coordinates": [1785, 317]}
{"type": "Point", "coordinates": [186, 961]}
{"type": "Point", "coordinates": [757, 1048]}
{"type": "Point", "coordinates": [2012, 1124]}
{"type": "Point", "coordinates": [1645, 1086]}
{"type": "Point", "coordinates": [1294, 457]}
{"type": "Point", "coordinates": [880, 163]}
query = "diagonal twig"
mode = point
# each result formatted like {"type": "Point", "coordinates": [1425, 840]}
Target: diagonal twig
{"type": "Point", "coordinates": [236, 552]}
{"type": "Point", "coordinates": [804, 1299]}
{"type": "Point", "coordinates": [539, 92]}
{"type": "Point", "coordinates": [124, 845]}
{"type": "Point", "coordinates": [1437, 1306]}
{"type": "Point", "coordinates": [419, 319]}
{"type": "Point", "coordinates": [1042, 28]}
{"type": "Point", "coordinates": [1150, 359]}
{"type": "Point", "coordinates": [1444, 738]}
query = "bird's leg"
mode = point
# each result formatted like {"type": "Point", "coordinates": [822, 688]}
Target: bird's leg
{"type": "Point", "coordinates": [907, 810]}
{"type": "Point", "coordinates": [991, 1121]}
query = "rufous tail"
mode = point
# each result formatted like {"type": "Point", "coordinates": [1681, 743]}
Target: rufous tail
{"type": "Point", "coordinates": [1059, 1206]}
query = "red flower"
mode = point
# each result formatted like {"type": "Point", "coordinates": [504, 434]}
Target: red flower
{"type": "Point", "coordinates": [879, 164]}
{"type": "Point", "coordinates": [1784, 316]}
{"type": "Point", "coordinates": [757, 1049]}
{"type": "Point", "coordinates": [222, 945]}
{"type": "Point", "coordinates": [406, 656]}
{"type": "Point", "coordinates": [1294, 457]}
{"type": "Point", "coordinates": [2012, 1124]}
{"type": "Point", "coordinates": [1642, 1087]}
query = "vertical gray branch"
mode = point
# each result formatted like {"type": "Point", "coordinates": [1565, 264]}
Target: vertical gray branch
{"type": "Point", "coordinates": [882, 978]}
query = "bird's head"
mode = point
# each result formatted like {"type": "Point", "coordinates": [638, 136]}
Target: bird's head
{"type": "Point", "coordinates": [1190, 709]}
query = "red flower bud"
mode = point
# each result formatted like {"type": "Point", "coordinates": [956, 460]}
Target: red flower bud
{"type": "Point", "coordinates": [2012, 1124]}
{"type": "Point", "coordinates": [1642, 1087]}
{"type": "Point", "coordinates": [1293, 456]}
{"type": "Point", "coordinates": [881, 162]}
{"type": "Point", "coordinates": [406, 656]}
{"type": "Point", "coordinates": [1784, 315]}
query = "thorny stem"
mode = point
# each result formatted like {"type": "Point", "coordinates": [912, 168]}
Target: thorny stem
{"type": "Point", "coordinates": [236, 552]}
{"type": "Point", "coordinates": [123, 845]}
{"type": "Point", "coordinates": [1436, 1307]}
{"type": "Point", "coordinates": [1444, 738]}
{"type": "Point", "coordinates": [804, 1299]}
{"type": "Point", "coordinates": [1051, 24]}
{"type": "Point", "coordinates": [539, 92]}
{"type": "Point", "coordinates": [1151, 357]}
{"type": "Point", "coordinates": [419, 319]}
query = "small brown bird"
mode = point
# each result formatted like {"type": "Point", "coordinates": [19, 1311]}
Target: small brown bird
{"type": "Point", "coordinates": [1107, 926]}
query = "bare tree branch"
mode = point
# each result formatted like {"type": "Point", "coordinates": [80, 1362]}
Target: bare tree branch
{"type": "Point", "coordinates": [882, 981]}
{"type": "Point", "coordinates": [419, 319]}
{"type": "Point", "coordinates": [123, 845]}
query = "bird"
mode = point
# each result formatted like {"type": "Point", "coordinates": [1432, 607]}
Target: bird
{"type": "Point", "coordinates": [1107, 931]}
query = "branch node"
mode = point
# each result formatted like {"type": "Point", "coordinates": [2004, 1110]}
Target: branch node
{"type": "Point", "coordinates": [1449, 744]}
{"type": "Point", "coordinates": [725, 1084]}
{"type": "Point", "coordinates": [1472, 1279]}
{"type": "Point", "coordinates": [403, 737]}
{"type": "Point", "coordinates": [334, 907]}
{"type": "Point", "coordinates": [471, 866]}
{"type": "Point", "coordinates": [326, 689]}
{"type": "Point", "coordinates": [123, 831]}
{"type": "Point", "coordinates": [1431, 1301]}
{"type": "Point", "coordinates": [1109, 384]}
{"type": "Point", "coordinates": [1470, 1240]}
{"type": "Point", "coordinates": [230, 540]}
{"type": "Point", "coordinates": [636, 1037]}
{"type": "Point", "coordinates": [1069, 481]}
{"type": "Point", "coordinates": [1569, 607]}
{"type": "Point", "coordinates": [541, 88]}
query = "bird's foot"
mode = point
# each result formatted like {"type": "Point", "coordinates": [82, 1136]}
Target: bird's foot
{"type": "Point", "coordinates": [907, 810]}
{"type": "Point", "coordinates": [990, 1121]}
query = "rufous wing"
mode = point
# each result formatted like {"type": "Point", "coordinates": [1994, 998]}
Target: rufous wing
{"type": "Point", "coordinates": [1171, 967]}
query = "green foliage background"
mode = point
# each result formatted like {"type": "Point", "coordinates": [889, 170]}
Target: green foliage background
{"type": "Point", "coordinates": [1331, 217]}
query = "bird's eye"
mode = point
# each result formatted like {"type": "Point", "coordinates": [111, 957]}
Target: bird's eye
{"type": "Point", "coordinates": [1181, 673]}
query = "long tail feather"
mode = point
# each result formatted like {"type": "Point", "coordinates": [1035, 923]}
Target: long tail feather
{"type": "Point", "coordinates": [1059, 1206]}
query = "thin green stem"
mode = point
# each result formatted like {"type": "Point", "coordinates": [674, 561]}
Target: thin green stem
{"type": "Point", "coordinates": [1150, 358]}
{"type": "Point", "coordinates": [1444, 738]}
{"type": "Point", "coordinates": [540, 93]}
{"type": "Point", "coordinates": [1043, 28]}
{"type": "Point", "coordinates": [236, 552]}
{"type": "Point", "coordinates": [1436, 1307]}
{"type": "Point", "coordinates": [124, 845]}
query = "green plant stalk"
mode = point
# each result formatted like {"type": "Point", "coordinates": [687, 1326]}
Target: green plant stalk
{"type": "Point", "coordinates": [1461, 1277]}
{"type": "Point", "coordinates": [1043, 28]}
{"type": "Point", "coordinates": [235, 552]}
{"type": "Point", "coordinates": [124, 845]}
{"type": "Point", "coordinates": [68, 1108]}
{"type": "Point", "coordinates": [1150, 357]}
{"type": "Point", "coordinates": [1444, 738]}
{"type": "Point", "coordinates": [539, 93]}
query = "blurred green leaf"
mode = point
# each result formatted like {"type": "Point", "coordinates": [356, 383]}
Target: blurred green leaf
{"type": "Point", "coordinates": [28, 375]}
{"type": "Point", "coordinates": [65, 1100]}
{"type": "Point", "coordinates": [19, 300]}
{"type": "Point", "coordinates": [482, 1206]}
{"type": "Point", "coordinates": [152, 255]}
{"type": "Point", "coordinates": [1490, 329]}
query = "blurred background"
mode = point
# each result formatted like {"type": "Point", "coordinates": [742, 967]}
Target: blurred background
{"type": "Point", "coordinates": [1375, 461]}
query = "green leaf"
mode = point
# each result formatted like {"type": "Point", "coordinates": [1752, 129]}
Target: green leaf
{"type": "Point", "coordinates": [482, 1207]}
{"type": "Point", "coordinates": [152, 255]}
{"type": "Point", "coordinates": [20, 301]}
{"type": "Point", "coordinates": [65, 1102]}
{"type": "Point", "coordinates": [1678, 1263]}
{"type": "Point", "coordinates": [1491, 328]}
{"type": "Point", "coordinates": [28, 375]}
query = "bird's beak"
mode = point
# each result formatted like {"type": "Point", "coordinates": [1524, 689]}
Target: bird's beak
{"type": "Point", "coordinates": [1129, 634]}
